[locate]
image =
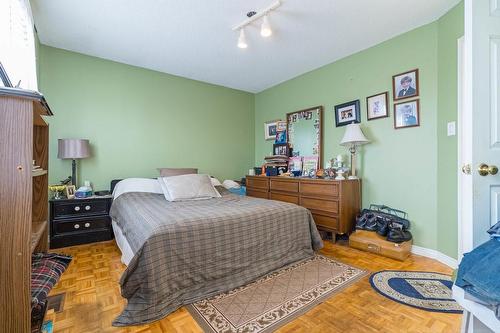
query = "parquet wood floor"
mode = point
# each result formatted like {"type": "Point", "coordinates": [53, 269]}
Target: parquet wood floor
{"type": "Point", "coordinates": [93, 298]}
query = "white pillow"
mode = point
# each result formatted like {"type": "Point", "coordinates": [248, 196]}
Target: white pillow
{"type": "Point", "coordinates": [215, 181]}
{"type": "Point", "coordinates": [230, 184]}
{"type": "Point", "coordinates": [164, 188]}
{"type": "Point", "coordinates": [136, 185]}
{"type": "Point", "coordinates": [188, 187]}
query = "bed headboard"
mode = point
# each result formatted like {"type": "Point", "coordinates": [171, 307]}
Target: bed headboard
{"type": "Point", "coordinates": [113, 184]}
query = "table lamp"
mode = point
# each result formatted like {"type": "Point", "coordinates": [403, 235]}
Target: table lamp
{"type": "Point", "coordinates": [73, 149]}
{"type": "Point", "coordinates": [353, 138]}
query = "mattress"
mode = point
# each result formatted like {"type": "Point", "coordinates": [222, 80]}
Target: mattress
{"type": "Point", "coordinates": [123, 245]}
{"type": "Point", "coordinates": [190, 250]}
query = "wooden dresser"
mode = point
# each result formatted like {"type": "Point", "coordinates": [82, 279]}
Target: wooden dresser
{"type": "Point", "coordinates": [333, 203]}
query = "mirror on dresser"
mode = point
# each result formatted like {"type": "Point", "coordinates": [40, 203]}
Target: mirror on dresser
{"type": "Point", "coordinates": [304, 133]}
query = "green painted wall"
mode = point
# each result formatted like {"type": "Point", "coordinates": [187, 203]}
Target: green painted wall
{"type": "Point", "coordinates": [399, 168]}
{"type": "Point", "coordinates": [450, 28]}
{"type": "Point", "coordinates": [135, 118]}
{"type": "Point", "coordinates": [138, 120]}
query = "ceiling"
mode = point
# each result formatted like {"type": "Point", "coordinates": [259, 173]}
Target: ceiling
{"type": "Point", "coordinates": [194, 38]}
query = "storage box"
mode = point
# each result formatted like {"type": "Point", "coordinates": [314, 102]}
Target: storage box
{"type": "Point", "coordinates": [372, 242]}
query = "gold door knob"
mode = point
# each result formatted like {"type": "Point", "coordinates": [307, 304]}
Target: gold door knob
{"type": "Point", "coordinates": [485, 169]}
{"type": "Point", "coordinates": [466, 169]}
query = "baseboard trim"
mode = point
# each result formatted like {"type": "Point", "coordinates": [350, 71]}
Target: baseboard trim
{"type": "Point", "coordinates": [433, 254]}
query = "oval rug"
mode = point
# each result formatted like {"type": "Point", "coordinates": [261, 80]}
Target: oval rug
{"type": "Point", "coordinates": [423, 290]}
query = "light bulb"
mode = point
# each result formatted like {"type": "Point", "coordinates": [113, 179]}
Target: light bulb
{"type": "Point", "coordinates": [242, 42]}
{"type": "Point", "coordinates": [265, 29]}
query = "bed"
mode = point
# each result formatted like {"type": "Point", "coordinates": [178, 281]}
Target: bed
{"type": "Point", "coordinates": [181, 252]}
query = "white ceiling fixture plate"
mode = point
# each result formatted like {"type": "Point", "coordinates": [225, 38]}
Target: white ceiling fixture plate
{"type": "Point", "coordinates": [194, 39]}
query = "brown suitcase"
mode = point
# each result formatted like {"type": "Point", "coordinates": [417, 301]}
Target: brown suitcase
{"type": "Point", "coordinates": [372, 242]}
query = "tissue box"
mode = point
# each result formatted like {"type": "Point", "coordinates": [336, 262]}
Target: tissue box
{"type": "Point", "coordinates": [83, 194]}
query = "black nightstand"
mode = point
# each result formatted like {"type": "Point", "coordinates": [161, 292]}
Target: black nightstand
{"type": "Point", "coordinates": [79, 221]}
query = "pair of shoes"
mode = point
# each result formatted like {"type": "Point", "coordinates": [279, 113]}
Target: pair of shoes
{"type": "Point", "coordinates": [371, 223]}
{"type": "Point", "coordinates": [361, 219]}
{"type": "Point", "coordinates": [366, 221]}
{"type": "Point", "coordinates": [398, 234]}
{"type": "Point", "coordinates": [383, 226]}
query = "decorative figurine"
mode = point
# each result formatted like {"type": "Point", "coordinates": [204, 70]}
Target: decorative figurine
{"type": "Point", "coordinates": [340, 174]}
{"type": "Point", "coordinates": [320, 173]}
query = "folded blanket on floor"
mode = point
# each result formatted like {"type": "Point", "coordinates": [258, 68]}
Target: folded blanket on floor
{"type": "Point", "coordinates": [46, 269]}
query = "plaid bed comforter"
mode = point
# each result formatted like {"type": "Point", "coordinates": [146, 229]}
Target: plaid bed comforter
{"type": "Point", "coordinates": [188, 251]}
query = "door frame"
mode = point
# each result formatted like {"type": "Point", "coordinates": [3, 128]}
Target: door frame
{"type": "Point", "coordinates": [464, 145]}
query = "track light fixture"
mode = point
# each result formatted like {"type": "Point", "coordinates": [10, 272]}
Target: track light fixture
{"type": "Point", "coordinates": [265, 29]}
{"type": "Point", "coordinates": [242, 42]}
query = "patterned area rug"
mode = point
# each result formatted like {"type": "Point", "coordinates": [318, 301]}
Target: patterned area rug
{"type": "Point", "coordinates": [275, 299]}
{"type": "Point", "coordinates": [423, 290]}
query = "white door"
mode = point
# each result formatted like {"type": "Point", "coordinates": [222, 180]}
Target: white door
{"type": "Point", "coordinates": [482, 104]}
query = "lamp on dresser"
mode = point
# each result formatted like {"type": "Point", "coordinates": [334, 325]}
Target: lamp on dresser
{"type": "Point", "coordinates": [353, 138]}
{"type": "Point", "coordinates": [73, 149]}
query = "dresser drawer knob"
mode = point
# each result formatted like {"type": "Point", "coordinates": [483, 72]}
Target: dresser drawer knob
{"type": "Point", "coordinates": [87, 207]}
{"type": "Point", "coordinates": [76, 226]}
{"type": "Point", "coordinates": [77, 208]}
{"type": "Point", "coordinates": [87, 225]}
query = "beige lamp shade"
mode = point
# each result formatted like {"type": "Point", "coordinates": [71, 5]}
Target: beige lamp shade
{"type": "Point", "coordinates": [73, 148]}
{"type": "Point", "coordinates": [353, 136]}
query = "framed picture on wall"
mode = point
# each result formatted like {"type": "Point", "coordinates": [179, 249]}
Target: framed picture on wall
{"type": "Point", "coordinates": [281, 126]}
{"type": "Point", "coordinates": [347, 113]}
{"type": "Point", "coordinates": [270, 129]}
{"type": "Point", "coordinates": [405, 85]}
{"type": "Point", "coordinates": [377, 106]}
{"type": "Point", "coordinates": [406, 114]}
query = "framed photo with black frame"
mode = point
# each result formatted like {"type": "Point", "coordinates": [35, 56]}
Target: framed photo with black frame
{"type": "Point", "coordinates": [347, 113]}
{"type": "Point", "coordinates": [281, 149]}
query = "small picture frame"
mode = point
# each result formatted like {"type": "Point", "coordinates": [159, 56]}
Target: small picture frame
{"type": "Point", "coordinates": [281, 149]}
{"type": "Point", "coordinates": [405, 85]}
{"type": "Point", "coordinates": [281, 126]}
{"type": "Point", "coordinates": [280, 137]}
{"type": "Point", "coordinates": [310, 166]}
{"type": "Point", "coordinates": [295, 165]}
{"type": "Point", "coordinates": [377, 106]}
{"type": "Point", "coordinates": [70, 191]}
{"type": "Point", "coordinates": [270, 129]}
{"type": "Point", "coordinates": [407, 114]}
{"type": "Point", "coordinates": [347, 113]}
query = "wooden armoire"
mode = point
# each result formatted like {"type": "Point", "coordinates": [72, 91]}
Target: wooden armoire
{"type": "Point", "coordinates": [24, 137]}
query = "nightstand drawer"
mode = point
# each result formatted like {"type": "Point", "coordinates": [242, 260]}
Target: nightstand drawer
{"type": "Point", "coordinates": [81, 225]}
{"type": "Point", "coordinates": [80, 208]}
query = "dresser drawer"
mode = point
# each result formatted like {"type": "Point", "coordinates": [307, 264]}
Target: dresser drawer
{"type": "Point", "coordinates": [331, 223]}
{"type": "Point", "coordinates": [81, 225]}
{"type": "Point", "coordinates": [284, 185]}
{"type": "Point", "coordinates": [258, 182]}
{"type": "Point", "coordinates": [80, 208]}
{"type": "Point", "coordinates": [320, 205]}
{"type": "Point", "coordinates": [257, 193]}
{"type": "Point", "coordinates": [329, 189]}
{"type": "Point", "coordinates": [284, 197]}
